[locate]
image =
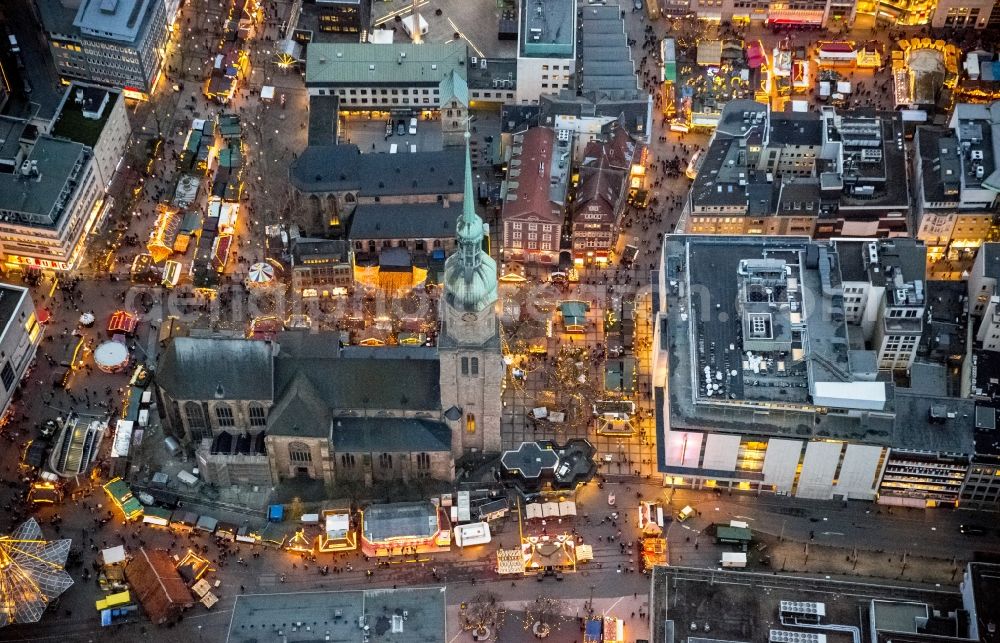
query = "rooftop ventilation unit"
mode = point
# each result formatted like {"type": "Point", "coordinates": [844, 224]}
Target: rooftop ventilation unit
{"type": "Point", "coordinates": [785, 636]}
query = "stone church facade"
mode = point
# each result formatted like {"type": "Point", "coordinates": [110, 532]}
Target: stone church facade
{"type": "Point", "coordinates": [302, 406]}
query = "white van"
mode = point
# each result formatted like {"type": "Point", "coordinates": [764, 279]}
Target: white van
{"type": "Point", "coordinates": [413, 126]}
{"type": "Point", "coordinates": [393, 148]}
{"type": "Point", "coordinates": [685, 513]}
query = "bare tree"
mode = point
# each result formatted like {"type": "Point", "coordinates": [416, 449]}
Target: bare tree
{"type": "Point", "coordinates": [484, 616]}
{"type": "Point", "coordinates": [543, 615]}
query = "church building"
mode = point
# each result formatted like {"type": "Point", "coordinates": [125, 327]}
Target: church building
{"type": "Point", "coordinates": [303, 406]}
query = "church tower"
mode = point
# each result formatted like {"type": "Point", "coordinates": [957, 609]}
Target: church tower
{"type": "Point", "coordinates": [472, 367]}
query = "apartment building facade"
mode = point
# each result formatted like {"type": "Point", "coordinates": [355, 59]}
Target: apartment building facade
{"type": "Point", "coordinates": [533, 208]}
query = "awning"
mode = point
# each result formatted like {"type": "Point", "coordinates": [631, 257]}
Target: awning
{"type": "Point", "coordinates": [122, 322]}
{"type": "Point", "coordinates": [510, 561]}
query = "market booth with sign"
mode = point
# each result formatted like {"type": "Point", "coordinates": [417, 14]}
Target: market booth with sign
{"type": "Point", "coordinates": [404, 528]}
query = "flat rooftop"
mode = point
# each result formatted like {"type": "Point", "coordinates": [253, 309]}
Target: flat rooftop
{"type": "Point", "coordinates": [546, 28]}
{"type": "Point", "coordinates": [72, 124]}
{"type": "Point", "coordinates": [986, 587]}
{"type": "Point", "coordinates": [363, 64]}
{"type": "Point", "coordinates": [604, 53]}
{"type": "Point", "coordinates": [114, 19]}
{"type": "Point", "coordinates": [774, 399]}
{"type": "Point", "coordinates": [741, 606]}
{"type": "Point", "coordinates": [11, 131]}
{"type": "Point", "coordinates": [10, 298]}
{"type": "Point", "coordinates": [414, 615]}
{"type": "Point", "coordinates": [33, 200]}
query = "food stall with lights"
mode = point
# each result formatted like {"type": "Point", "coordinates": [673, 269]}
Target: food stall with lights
{"type": "Point", "coordinates": [404, 528]}
{"type": "Point", "coordinates": [338, 533]}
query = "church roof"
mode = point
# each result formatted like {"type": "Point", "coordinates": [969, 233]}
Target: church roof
{"type": "Point", "coordinates": [301, 411]}
{"type": "Point", "coordinates": [358, 377]}
{"type": "Point", "coordinates": [360, 434]}
{"type": "Point", "coordinates": [200, 368]}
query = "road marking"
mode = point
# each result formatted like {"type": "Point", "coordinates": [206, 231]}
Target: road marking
{"type": "Point", "coordinates": [831, 533]}
{"type": "Point", "coordinates": [744, 517]}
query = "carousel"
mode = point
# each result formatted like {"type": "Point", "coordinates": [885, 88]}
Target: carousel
{"type": "Point", "coordinates": [111, 357]}
{"type": "Point", "coordinates": [260, 274]}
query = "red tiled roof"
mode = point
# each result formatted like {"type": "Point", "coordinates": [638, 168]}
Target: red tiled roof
{"type": "Point", "coordinates": [157, 585]}
{"type": "Point", "coordinates": [532, 179]}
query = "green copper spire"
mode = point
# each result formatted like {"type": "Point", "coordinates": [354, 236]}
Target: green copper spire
{"type": "Point", "coordinates": [470, 273]}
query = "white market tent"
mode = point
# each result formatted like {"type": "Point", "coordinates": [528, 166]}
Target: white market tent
{"type": "Point", "coordinates": [267, 92]}
{"type": "Point", "coordinates": [533, 510]}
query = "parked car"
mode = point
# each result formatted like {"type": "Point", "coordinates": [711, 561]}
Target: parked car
{"type": "Point", "coordinates": [401, 128]}
{"type": "Point", "coordinates": [413, 126]}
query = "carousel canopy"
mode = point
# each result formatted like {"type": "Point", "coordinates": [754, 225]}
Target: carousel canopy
{"type": "Point", "coordinates": [260, 273]}
{"type": "Point", "coordinates": [110, 355]}
{"type": "Point", "coordinates": [31, 573]}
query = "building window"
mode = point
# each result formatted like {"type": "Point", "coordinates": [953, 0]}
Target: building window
{"type": "Point", "coordinates": [8, 376]}
{"type": "Point", "coordinates": [299, 452]}
{"type": "Point", "coordinates": [423, 465]}
{"type": "Point", "coordinates": [470, 423]}
{"type": "Point", "coordinates": [385, 461]}
{"type": "Point", "coordinates": [195, 418]}
{"type": "Point", "coordinates": [475, 366]}
{"type": "Point", "coordinates": [224, 415]}
{"type": "Point", "coordinates": [347, 460]}
{"type": "Point", "coordinates": [465, 366]}
{"type": "Point", "coordinates": [258, 414]}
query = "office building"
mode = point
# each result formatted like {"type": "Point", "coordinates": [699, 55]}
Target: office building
{"type": "Point", "coordinates": [388, 614]}
{"type": "Point", "coordinates": [791, 403]}
{"type": "Point", "coordinates": [343, 16]}
{"type": "Point", "coordinates": [21, 335]}
{"type": "Point", "coordinates": [984, 298]}
{"type": "Point", "coordinates": [885, 295]}
{"type": "Point", "coordinates": [118, 43]}
{"type": "Point", "coordinates": [52, 187]}
{"type": "Point", "coordinates": [953, 209]}
{"type": "Point", "coordinates": [533, 209]}
{"type": "Point", "coordinates": [799, 13]}
{"type": "Point", "coordinates": [606, 88]}
{"type": "Point", "coordinates": [321, 267]}
{"type": "Point", "coordinates": [546, 48]}
{"type": "Point", "coordinates": [399, 78]}
{"type": "Point", "coordinates": [826, 175]}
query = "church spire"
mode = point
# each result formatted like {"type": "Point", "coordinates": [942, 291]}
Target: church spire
{"type": "Point", "coordinates": [470, 274]}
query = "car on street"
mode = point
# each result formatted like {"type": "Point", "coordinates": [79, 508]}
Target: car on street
{"type": "Point", "coordinates": [413, 126]}
{"type": "Point", "coordinates": [972, 530]}
{"type": "Point", "coordinates": [401, 128]}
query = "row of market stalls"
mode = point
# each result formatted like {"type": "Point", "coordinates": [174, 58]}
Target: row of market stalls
{"type": "Point", "coordinates": [212, 149]}
{"type": "Point", "coordinates": [232, 60]}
